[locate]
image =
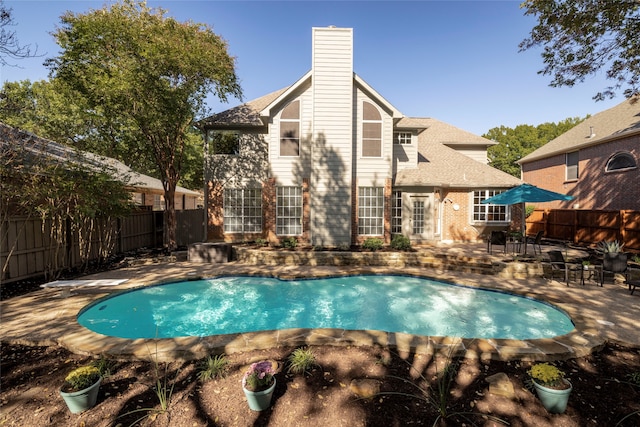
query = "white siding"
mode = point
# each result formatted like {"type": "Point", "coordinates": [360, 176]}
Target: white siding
{"type": "Point", "coordinates": [331, 156]}
{"type": "Point", "coordinates": [405, 156]}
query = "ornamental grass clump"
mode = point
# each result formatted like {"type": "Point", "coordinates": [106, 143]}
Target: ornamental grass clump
{"type": "Point", "coordinates": [81, 378]}
{"type": "Point", "coordinates": [259, 376]}
{"type": "Point", "coordinates": [548, 376]}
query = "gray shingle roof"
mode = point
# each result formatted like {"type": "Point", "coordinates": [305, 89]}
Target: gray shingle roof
{"type": "Point", "coordinates": [38, 146]}
{"type": "Point", "coordinates": [247, 114]}
{"type": "Point", "coordinates": [616, 122]}
{"type": "Point", "coordinates": [443, 166]}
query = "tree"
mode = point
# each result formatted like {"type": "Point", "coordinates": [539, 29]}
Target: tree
{"type": "Point", "coordinates": [148, 72]}
{"type": "Point", "coordinates": [581, 37]}
{"type": "Point", "coordinates": [514, 144]}
{"type": "Point", "coordinates": [10, 47]}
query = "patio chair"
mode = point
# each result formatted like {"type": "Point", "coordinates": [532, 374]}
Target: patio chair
{"type": "Point", "coordinates": [497, 238]}
{"type": "Point", "coordinates": [614, 265]}
{"type": "Point", "coordinates": [558, 264]}
{"type": "Point", "coordinates": [535, 241]}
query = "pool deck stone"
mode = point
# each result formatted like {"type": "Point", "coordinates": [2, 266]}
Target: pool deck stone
{"type": "Point", "coordinates": [48, 316]}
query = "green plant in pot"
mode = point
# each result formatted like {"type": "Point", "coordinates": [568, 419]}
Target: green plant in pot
{"type": "Point", "coordinates": [80, 388]}
{"type": "Point", "coordinates": [552, 387]}
{"type": "Point", "coordinates": [609, 247]}
{"type": "Point", "coordinates": [258, 384]}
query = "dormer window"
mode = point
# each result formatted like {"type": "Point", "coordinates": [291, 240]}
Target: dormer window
{"type": "Point", "coordinates": [402, 138]}
{"type": "Point", "coordinates": [371, 131]}
{"type": "Point", "coordinates": [290, 130]}
{"type": "Point", "coordinates": [620, 162]}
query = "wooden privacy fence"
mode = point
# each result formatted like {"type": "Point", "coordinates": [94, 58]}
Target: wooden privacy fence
{"type": "Point", "coordinates": [27, 242]}
{"type": "Point", "coordinates": [587, 227]}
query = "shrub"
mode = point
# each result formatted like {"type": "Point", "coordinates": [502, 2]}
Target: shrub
{"type": "Point", "coordinates": [301, 360]}
{"type": "Point", "coordinates": [372, 244]}
{"type": "Point", "coordinates": [262, 242]}
{"type": "Point", "coordinates": [213, 367]}
{"type": "Point", "coordinates": [290, 243]}
{"type": "Point", "coordinates": [400, 243]}
{"type": "Point", "coordinates": [81, 378]}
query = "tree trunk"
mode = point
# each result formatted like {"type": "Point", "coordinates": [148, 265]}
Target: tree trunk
{"type": "Point", "coordinates": [170, 215]}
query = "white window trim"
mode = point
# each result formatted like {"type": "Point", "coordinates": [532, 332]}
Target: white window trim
{"type": "Point", "coordinates": [404, 133]}
{"type": "Point", "coordinates": [289, 196]}
{"type": "Point", "coordinates": [362, 122]}
{"type": "Point", "coordinates": [486, 207]}
{"type": "Point", "coordinates": [299, 121]}
{"type": "Point", "coordinates": [361, 218]}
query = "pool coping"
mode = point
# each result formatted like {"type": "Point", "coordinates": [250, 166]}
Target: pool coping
{"type": "Point", "coordinates": [582, 340]}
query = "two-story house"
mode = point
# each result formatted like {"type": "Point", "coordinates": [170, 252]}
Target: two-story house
{"type": "Point", "coordinates": [329, 161]}
{"type": "Point", "coordinates": [596, 161]}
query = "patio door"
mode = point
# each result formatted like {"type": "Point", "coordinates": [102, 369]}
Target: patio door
{"type": "Point", "coordinates": [421, 220]}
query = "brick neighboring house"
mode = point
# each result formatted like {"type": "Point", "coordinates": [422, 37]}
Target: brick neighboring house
{"type": "Point", "coordinates": [145, 190]}
{"type": "Point", "coordinates": [596, 162]}
{"type": "Point", "coordinates": [330, 162]}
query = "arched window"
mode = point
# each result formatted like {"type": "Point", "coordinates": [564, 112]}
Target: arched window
{"type": "Point", "coordinates": [371, 131]}
{"type": "Point", "coordinates": [290, 130]}
{"type": "Point", "coordinates": [620, 161]}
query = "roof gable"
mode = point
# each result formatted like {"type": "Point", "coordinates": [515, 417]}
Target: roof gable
{"type": "Point", "coordinates": [617, 122]}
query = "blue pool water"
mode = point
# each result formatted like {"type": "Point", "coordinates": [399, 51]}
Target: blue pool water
{"type": "Point", "coordinates": [412, 305]}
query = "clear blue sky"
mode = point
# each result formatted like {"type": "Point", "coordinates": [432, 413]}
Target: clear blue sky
{"type": "Point", "coordinates": [455, 61]}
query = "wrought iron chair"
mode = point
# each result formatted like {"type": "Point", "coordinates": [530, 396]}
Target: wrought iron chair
{"type": "Point", "coordinates": [558, 264]}
{"type": "Point", "coordinates": [535, 241]}
{"type": "Point", "coordinates": [497, 238]}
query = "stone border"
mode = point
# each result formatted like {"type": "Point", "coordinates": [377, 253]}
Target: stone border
{"type": "Point", "coordinates": [583, 340]}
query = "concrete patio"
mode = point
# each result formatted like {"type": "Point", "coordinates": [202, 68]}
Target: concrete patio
{"type": "Point", "coordinates": [600, 314]}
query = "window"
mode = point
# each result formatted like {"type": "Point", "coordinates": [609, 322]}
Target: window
{"type": "Point", "coordinates": [488, 213]}
{"type": "Point", "coordinates": [418, 216]}
{"type": "Point", "coordinates": [572, 165]}
{"type": "Point", "coordinates": [371, 131]}
{"type": "Point", "coordinates": [224, 142]}
{"type": "Point", "coordinates": [289, 211]}
{"type": "Point", "coordinates": [371, 211]}
{"type": "Point", "coordinates": [402, 137]}
{"type": "Point", "coordinates": [158, 202]}
{"type": "Point", "coordinates": [620, 161]}
{"type": "Point", "coordinates": [396, 212]}
{"type": "Point", "coordinates": [290, 130]}
{"type": "Point", "coordinates": [242, 210]}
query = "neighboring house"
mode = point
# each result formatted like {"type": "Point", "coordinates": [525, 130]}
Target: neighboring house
{"type": "Point", "coordinates": [595, 161]}
{"type": "Point", "coordinates": [145, 190]}
{"type": "Point", "coordinates": [330, 162]}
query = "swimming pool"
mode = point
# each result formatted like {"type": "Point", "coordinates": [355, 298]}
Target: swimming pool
{"type": "Point", "coordinates": [228, 305]}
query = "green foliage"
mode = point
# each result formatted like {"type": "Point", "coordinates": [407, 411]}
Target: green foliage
{"type": "Point", "coordinates": [105, 366]}
{"type": "Point", "coordinates": [514, 144]}
{"type": "Point", "coordinates": [259, 376]}
{"type": "Point", "coordinates": [81, 378]}
{"type": "Point", "coordinates": [634, 378]}
{"type": "Point", "coordinates": [611, 246]}
{"type": "Point", "coordinates": [301, 361]}
{"type": "Point", "coordinates": [213, 367]}
{"type": "Point", "coordinates": [529, 210]}
{"type": "Point", "coordinates": [583, 38]}
{"type": "Point", "coordinates": [401, 243]}
{"type": "Point", "coordinates": [262, 242]}
{"type": "Point", "coordinates": [546, 374]}
{"type": "Point", "coordinates": [143, 71]}
{"type": "Point", "coordinates": [290, 243]}
{"type": "Point", "coordinates": [372, 244]}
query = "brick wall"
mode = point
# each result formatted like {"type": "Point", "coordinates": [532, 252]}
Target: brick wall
{"type": "Point", "coordinates": [595, 189]}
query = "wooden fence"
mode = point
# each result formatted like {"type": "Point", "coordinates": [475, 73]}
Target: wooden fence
{"type": "Point", "coordinates": [28, 245]}
{"type": "Point", "coordinates": [587, 227]}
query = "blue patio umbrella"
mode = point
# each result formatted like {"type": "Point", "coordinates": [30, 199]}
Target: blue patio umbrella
{"type": "Point", "coordinates": [525, 193]}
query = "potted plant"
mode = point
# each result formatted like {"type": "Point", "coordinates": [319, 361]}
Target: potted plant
{"type": "Point", "coordinates": [80, 388]}
{"type": "Point", "coordinates": [258, 384]}
{"type": "Point", "coordinates": [552, 387]}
